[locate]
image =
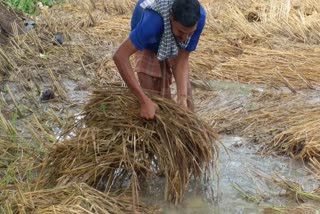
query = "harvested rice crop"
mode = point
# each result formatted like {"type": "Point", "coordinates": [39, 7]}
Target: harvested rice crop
{"type": "Point", "coordinates": [111, 147]}
{"type": "Point", "coordinates": [74, 198]}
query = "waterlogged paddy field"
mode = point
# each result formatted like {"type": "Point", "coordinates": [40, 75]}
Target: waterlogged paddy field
{"type": "Point", "coordinates": [245, 182]}
{"type": "Point", "coordinates": [256, 83]}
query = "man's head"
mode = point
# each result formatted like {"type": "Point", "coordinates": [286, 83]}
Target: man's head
{"type": "Point", "coordinates": [184, 17]}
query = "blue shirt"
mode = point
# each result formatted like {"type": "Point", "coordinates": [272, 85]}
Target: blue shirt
{"type": "Point", "coordinates": [147, 28]}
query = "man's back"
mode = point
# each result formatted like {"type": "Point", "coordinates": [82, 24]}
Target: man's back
{"type": "Point", "coordinates": [147, 28]}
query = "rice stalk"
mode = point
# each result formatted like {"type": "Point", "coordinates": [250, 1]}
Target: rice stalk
{"type": "Point", "coordinates": [58, 86]}
{"type": "Point", "coordinates": [246, 195]}
{"type": "Point", "coordinates": [315, 167]}
{"type": "Point", "coordinates": [295, 189]}
{"type": "Point", "coordinates": [305, 209]}
{"type": "Point", "coordinates": [6, 63]}
{"type": "Point", "coordinates": [19, 164]}
{"type": "Point", "coordinates": [74, 198]}
{"type": "Point", "coordinates": [14, 101]}
{"type": "Point", "coordinates": [9, 129]}
{"type": "Point", "coordinates": [121, 149]}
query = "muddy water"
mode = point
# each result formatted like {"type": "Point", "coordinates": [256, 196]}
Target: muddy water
{"type": "Point", "coordinates": [242, 166]}
{"type": "Point", "coordinates": [250, 171]}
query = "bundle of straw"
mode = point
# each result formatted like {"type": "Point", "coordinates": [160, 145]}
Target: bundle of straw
{"type": "Point", "coordinates": [286, 126]}
{"type": "Point", "coordinates": [113, 146]}
{"type": "Point", "coordinates": [73, 199]}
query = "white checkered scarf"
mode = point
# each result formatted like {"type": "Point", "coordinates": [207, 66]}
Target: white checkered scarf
{"type": "Point", "coordinates": [168, 46]}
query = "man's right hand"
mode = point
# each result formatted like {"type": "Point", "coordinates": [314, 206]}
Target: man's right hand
{"type": "Point", "coordinates": [148, 109]}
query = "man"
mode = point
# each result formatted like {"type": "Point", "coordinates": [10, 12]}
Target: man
{"type": "Point", "coordinates": [163, 34]}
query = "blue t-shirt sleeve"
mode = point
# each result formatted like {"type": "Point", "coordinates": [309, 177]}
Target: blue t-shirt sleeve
{"type": "Point", "coordinates": [147, 30]}
{"type": "Point", "coordinates": [196, 36]}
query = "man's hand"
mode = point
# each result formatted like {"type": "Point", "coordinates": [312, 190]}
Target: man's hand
{"type": "Point", "coordinates": [148, 109]}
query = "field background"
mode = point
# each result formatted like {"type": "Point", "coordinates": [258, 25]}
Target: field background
{"type": "Point", "coordinates": [255, 74]}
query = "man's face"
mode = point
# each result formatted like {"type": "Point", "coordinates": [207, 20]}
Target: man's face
{"type": "Point", "coordinates": [180, 32]}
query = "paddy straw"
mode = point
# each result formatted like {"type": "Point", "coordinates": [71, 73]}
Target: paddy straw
{"type": "Point", "coordinates": [113, 147]}
{"type": "Point", "coordinates": [74, 198]}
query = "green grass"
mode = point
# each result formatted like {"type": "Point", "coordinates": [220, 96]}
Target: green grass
{"type": "Point", "coordinates": [28, 6]}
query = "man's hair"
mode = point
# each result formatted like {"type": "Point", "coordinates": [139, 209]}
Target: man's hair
{"type": "Point", "coordinates": [186, 12]}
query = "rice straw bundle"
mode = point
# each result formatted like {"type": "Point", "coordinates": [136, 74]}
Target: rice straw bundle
{"type": "Point", "coordinates": [71, 199]}
{"type": "Point", "coordinates": [112, 146]}
{"type": "Point", "coordinates": [302, 140]}
{"type": "Point", "coordinates": [291, 130]}
{"type": "Point", "coordinates": [286, 124]}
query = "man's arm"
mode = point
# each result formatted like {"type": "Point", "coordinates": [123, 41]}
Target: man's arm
{"type": "Point", "coordinates": [181, 75]}
{"type": "Point", "coordinates": [122, 61]}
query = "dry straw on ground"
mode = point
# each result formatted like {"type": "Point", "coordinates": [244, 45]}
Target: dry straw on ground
{"type": "Point", "coordinates": [71, 199]}
{"type": "Point", "coordinates": [282, 123]}
{"type": "Point", "coordinates": [286, 126]}
{"type": "Point", "coordinates": [296, 68]}
{"type": "Point", "coordinates": [111, 147]}
{"type": "Point", "coordinates": [280, 49]}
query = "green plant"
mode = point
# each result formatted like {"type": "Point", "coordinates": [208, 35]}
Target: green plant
{"type": "Point", "coordinates": [28, 6]}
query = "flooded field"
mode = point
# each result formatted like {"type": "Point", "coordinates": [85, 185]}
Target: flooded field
{"type": "Point", "coordinates": [256, 84]}
{"type": "Point", "coordinates": [245, 183]}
